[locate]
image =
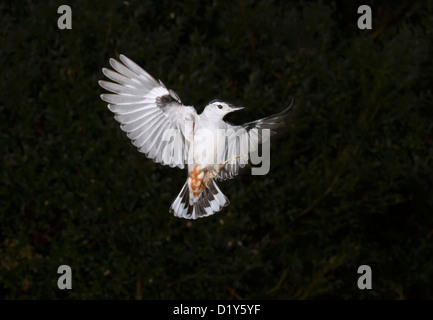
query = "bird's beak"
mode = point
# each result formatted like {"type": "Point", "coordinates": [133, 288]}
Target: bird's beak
{"type": "Point", "coordinates": [233, 108]}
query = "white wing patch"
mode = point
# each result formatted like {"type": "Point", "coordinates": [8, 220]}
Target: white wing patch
{"type": "Point", "coordinates": [147, 112]}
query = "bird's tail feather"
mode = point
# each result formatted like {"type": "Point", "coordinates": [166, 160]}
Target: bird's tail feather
{"type": "Point", "coordinates": [211, 200]}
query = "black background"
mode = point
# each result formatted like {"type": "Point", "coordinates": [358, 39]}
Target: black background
{"type": "Point", "coordinates": [350, 178]}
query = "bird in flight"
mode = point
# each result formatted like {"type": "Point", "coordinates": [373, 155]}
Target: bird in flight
{"type": "Point", "coordinates": [170, 133]}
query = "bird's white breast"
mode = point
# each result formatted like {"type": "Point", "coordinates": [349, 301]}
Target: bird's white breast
{"type": "Point", "coordinates": [207, 142]}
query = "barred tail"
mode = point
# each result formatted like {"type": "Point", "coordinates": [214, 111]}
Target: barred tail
{"type": "Point", "coordinates": [211, 200]}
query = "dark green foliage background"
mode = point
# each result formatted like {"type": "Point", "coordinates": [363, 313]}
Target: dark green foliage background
{"type": "Point", "coordinates": [350, 180]}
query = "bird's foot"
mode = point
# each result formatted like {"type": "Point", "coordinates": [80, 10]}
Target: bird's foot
{"type": "Point", "coordinates": [232, 159]}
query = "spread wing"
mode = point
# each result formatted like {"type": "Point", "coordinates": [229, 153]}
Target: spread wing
{"type": "Point", "coordinates": [245, 139]}
{"type": "Point", "coordinates": [152, 116]}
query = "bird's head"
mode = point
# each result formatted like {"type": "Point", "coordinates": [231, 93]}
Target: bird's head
{"type": "Point", "coordinates": [218, 109]}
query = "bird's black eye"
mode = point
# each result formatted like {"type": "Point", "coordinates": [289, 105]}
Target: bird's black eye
{"type": "Point", "coordinates": [219, 106]}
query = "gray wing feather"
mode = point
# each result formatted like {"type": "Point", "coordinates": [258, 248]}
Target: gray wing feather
{"type": "Point", "coordinates": [246, 139]}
